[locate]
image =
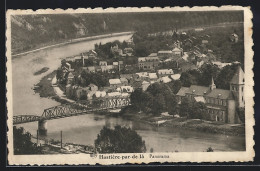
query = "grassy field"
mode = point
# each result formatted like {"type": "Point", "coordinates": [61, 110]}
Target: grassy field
{"type": "Point", "coordinates": [192, 124]}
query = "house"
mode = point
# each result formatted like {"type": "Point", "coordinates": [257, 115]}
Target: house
{"type": "Point", "coordinates": [115, 83]}
{"type": "Point", "coordinates": [164, 72]}
{"type": "Point", "coordinates": [204, 41]}
{"type": "Point", "coordinates": [165, 79]}
{"type": "Point", "coordinates": [90, 94]}
{"type": "Point", "coordinates": [177, 52]}
{"type": "Point", "coordinates": [142, 76]}
{"type": "Point", "coordinates": [128, 51]}
{"type": "Point", "coordinates": [99, 94]}
{"type": "Point", "coordinates": [93, 87]}
{"type": "Point", "coordinates": [114, 94]}
{"type": "Point", "coordinates": [126, 89]}
{"type": "Point", "coordinates": [115, 63]}
{"type": "Point", "coordinates": [181, 94]}
{"type": "Point", "coordinates": [92, 54]}
{"type": "Point", "coordinates": [222, 105]}
{"type": "Point", "coordinates": [70, 78]}
{"type": "Point", "coordinates": [102, 63]}
{"type": "Point", "coordinates": [176, 76]}
{"type": "Point", "coordinates": [153, 55]}
{"type": "Point", "coordinates": [152, 76]}
{"type": "Point", "coordinates": [130, 42]}
{"type": "Point", "coordinates": [145, 85]}
{"type": "Point", "coordinates": [165, 54]}
{"type": "Point", "coordinates": [124, 81]}
{"type": "Point", "coordinates": [107, 68]}
{"type": "Point", "coordinates": [148, 63]}
{"type": "Point", "coordinates": [90, 69]}
{"type": "Point", "coordinates": [115, 49]}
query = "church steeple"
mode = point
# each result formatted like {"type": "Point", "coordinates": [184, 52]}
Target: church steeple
{"type": "Point", "coordinates": [212, 86]}
{"type": "Point", "coordinates": [237, 86]}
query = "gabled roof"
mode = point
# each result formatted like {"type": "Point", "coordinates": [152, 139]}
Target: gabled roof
{"type": "Point", "coordinates": [166, 79]}
{"type": "Point", "coordinates": [92, 85]}
{"type": "Point", "coordinates": [114, 81]}
{"type": "Point", "coordinates": [238, 78]}
{"type": "Point", "coordinates": [123, 79]}
{"type": "Point", "coordinates": [164, 51]}
{"type": "Point", "coordinates": [153, 54]}
{"type": "Point", "coordinates": [182, 91]}
{"type": "Point", "coordinates": [198, 90]}
{"type": "Point", "coordinates": [127, 76]}
{"type": "Point", "coordinates": [152, 76]}
{"type": "Point", "coordinates": [176, 49]}
{"type": "Point", "coordinates": [176, 76]}
{"type": "Point", "coordinates": [70, 75]}
{"type": "Point", "coordinates": [220, 93]}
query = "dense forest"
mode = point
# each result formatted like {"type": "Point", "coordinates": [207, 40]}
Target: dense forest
{"type": "Point", "coordinates": [31, 31]}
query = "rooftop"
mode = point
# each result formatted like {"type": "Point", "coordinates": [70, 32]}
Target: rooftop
{"type": "Point", "coordinates": [114, 81]}
{"type": "Point", "coordinates": [238, 77]}
{"type": "Point", "coordinates": [198, 90]}
{"type": "Point", "coordinates": [220, 93]}
{"type": "Point", "coordinates": [182, 91]}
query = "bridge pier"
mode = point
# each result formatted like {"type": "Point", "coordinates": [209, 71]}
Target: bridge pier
{"type": "Point", "coordinates": [42, 128]}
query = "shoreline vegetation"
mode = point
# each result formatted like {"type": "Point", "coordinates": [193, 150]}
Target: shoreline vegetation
{"type": "Point", "coordinates": [43, 70]}
{"type": "Point", "coordinates": [187, 124]}
{"type": "Point", "coordinates": [70, 41]}
{"type": "Point", "coordinates": [45, 89]}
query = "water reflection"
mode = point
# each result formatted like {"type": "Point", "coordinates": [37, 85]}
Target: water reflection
{"type": "Point", "coordinates": [84, 129]}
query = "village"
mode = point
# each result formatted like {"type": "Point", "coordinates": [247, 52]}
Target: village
{"type": "Point", "coordinates": [89, 76]}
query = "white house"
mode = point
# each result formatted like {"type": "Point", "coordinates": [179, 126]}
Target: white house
{"type": "Point", "coordinates": [176, 76]}
{"type": "Point", "coordinates": [114, 83]}
{"type": "Point", "coordinates": [162, 72]}
{"type": "Point", "coordinates": [165, 79]}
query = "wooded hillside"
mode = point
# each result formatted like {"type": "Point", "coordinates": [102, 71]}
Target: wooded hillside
{"type": "Point", "coordinates": [32, 31]}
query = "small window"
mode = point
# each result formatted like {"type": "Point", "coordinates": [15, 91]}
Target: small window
{"type": "Point", "coordinates": [242, 99]}
{"type": "Point", "coordinates": [242, 89]}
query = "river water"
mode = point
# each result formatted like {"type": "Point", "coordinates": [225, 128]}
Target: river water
{"type": "Point", "coordinates": [84, 129]}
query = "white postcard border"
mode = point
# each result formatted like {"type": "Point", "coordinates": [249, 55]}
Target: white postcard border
{"type": "Point", "coordinates": [76, 159]}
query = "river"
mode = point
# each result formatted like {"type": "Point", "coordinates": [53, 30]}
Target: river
{"type": "Point", "coordinates": [84, 129]}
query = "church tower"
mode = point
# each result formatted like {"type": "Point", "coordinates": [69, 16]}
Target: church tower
{"type": "Point", "coordinates": [212, 86]}
{"type": "Point", "coordinates": [237, 87]}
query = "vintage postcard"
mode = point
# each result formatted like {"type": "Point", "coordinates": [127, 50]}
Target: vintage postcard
{"type": "Point", "coordinates": [130, 85]}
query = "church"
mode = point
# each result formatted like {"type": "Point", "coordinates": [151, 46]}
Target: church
{"type": "Point", "coordinates": [222, 105]}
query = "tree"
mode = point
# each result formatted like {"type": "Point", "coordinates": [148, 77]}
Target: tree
{"type": "Point", "coordinates": [225, 76]}
{"type": "Point", "coordinates": [208, 72]}
{"type": "Point", "coordinates": [23, 143]}
{"type": "Point", "coordinates": [119, 140]}
{"type": "Point", "coordinates": [185, 107]}
{"type": "Point", "coordinates": [136, 99]}
{"type": "Point", "coordinates": [198, 110]}
{"type": "Point", "coordinates": [187, 79]}
{"type": "Point", "coordinates": [59, 74]}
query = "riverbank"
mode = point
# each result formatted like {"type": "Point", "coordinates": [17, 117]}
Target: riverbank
{"type": "Point", "coordinates": [46, 89]}
{"type": "Point", "coordinates": [72, 41]}
{"type": "Point", "coordinates": [189, 124]}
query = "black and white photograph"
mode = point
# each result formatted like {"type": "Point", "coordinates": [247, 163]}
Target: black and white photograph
{"type": "Point", "coordinates": [130, 85]}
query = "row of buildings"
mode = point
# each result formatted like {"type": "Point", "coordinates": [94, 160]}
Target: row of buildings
{"type": "Point", "coordinates": [222, 105]}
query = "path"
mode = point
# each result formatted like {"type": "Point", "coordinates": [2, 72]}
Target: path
{"type": "Point", "coordinates": [59, 92]}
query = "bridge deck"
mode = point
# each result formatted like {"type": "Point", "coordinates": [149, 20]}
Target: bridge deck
{"type": "Point", "coordinates": [74, 109]}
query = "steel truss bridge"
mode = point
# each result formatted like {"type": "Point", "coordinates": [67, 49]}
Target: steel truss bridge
{"type": "Point", "coordinates": [74, 109]}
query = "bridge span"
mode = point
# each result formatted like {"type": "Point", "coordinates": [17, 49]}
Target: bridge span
{"type": "Point", "coordinates": [72, 109]}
